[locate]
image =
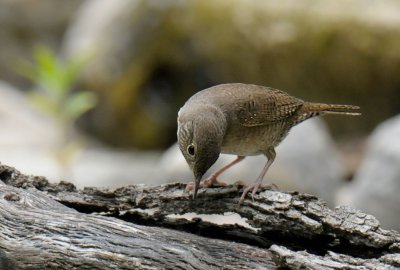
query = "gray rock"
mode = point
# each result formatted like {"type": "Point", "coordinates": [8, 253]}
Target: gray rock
{"type": "Point", "coordinates": [376, 186]}
{"type": "Point", "coordinates": [306, 161]}
{"type": "Point", "coordinates": [93, 19]}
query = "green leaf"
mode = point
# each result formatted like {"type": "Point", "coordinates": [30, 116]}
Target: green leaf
{"type": "Point", "coordinates": [78, 104]}
{"type": "Point", "coordinates": [48, 72]}
{"type": "Point", "coordinates": [54, 80]}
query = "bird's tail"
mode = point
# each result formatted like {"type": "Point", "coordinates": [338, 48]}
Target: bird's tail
{"type": "Point", "coordinates": [322, 108]}
{"type": "Point", "coordinates": [310, 109]}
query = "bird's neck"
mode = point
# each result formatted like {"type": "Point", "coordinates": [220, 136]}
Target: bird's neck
{"type": "Point", "coordinates": [213, 119]}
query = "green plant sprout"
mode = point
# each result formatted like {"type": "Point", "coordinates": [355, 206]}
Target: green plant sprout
{"type": "Point", "coordinates": [53, 94]}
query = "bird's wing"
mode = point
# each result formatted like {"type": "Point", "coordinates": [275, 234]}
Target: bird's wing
{"type": "Point", "coordinates": [265, 107]}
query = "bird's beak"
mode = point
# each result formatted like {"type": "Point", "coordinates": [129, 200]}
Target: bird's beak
{"type": "Point", "coordinates": [196, 185]}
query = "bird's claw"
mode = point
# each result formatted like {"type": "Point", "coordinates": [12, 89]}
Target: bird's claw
{"type": "Point", "coordinates": [253, 188]}
{"type": "Point", "coordinates": [209, 182]}
{"type": "Point", "coordinates": [213, 182]}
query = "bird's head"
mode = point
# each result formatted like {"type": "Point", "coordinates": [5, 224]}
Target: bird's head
{"type": "Point", "coordinates": [200, 138]}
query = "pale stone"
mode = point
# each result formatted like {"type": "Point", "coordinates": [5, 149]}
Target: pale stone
{"type": "Point", "coordinates": [376, 186]}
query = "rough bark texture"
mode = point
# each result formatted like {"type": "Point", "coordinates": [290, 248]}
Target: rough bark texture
{"type": "Point", "coordinates": [46, 226]}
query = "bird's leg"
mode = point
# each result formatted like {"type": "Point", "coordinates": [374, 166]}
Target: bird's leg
{"type": "Point", "coordinates": [212, 180]}
{"type": "Point", "coordinates": [254, 187]}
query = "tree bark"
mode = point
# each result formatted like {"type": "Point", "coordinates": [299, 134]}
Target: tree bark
{"type": "Point", "coordinates": [56, 226]}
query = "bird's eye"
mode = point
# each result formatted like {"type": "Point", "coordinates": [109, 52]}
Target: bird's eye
{"type": "Point", "coordinates": [191, 150]}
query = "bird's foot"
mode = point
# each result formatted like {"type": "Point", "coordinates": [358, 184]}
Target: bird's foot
{"type": "Point", "coordinates": [209, 182]}
{"type": "Point", "coordinates": [213, 182]}
{"type": "Point", "coordinates": [253, 188]}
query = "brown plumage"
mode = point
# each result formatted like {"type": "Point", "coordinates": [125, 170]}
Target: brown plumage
{"type": "Point", "coordinates": [244, 120]}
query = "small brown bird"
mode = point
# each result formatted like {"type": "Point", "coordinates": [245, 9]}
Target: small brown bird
{"type": "Point", "coordinates": [243, 120]}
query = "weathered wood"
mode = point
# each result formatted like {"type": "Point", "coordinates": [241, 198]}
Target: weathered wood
{"type": "Point", "coordinates": [332, 260]}
{"type": "Point", "coordinates": [38, 233]}
{"type": "Point", "coordinates": [289, 221]}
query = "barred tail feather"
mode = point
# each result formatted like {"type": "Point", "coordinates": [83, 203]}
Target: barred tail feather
{"type": "Point", "coordinates": [309, 110]}
{"type": "Point", "coordinates": [331, 108]}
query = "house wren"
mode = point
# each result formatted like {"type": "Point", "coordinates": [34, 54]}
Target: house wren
{"type": "Point", "coordinates": [243, 120]}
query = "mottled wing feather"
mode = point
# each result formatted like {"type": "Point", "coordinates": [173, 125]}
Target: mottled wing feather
{"type": "Point", "coordinates": [265, 108]}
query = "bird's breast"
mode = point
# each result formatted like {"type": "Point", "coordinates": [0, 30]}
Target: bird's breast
{"type": "Point", "coordinates": [250, 141]}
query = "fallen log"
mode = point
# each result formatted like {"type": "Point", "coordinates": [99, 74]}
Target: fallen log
{"type": "Point", "coordinates": [56, 226]}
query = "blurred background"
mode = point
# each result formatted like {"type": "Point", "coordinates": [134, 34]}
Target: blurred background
{"type": "Point", "coordinates": [89, 90]}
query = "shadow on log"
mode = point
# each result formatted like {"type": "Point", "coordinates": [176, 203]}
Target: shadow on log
{"type": "Point", "coordinates": [56, 226]}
